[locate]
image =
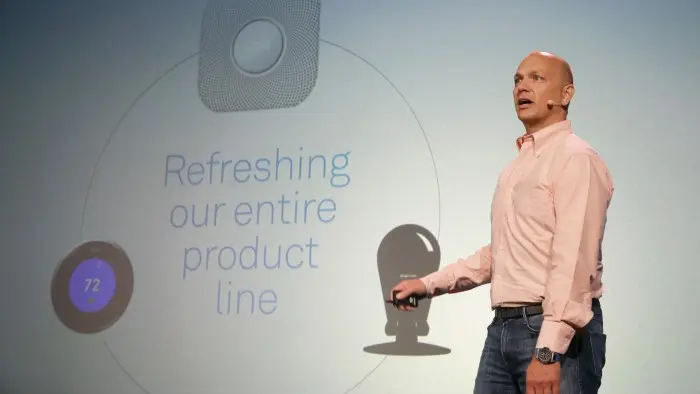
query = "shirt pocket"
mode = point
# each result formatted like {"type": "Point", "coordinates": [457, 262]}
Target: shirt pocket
{"type": "Point", "coordinates": [534, 201]}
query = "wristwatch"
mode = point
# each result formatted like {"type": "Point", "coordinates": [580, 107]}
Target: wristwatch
{"type": "Point", "coordinates": [546, 356]}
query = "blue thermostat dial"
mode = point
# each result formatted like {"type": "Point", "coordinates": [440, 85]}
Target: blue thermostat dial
{"type": "Point", "coordinates": [92, 285]}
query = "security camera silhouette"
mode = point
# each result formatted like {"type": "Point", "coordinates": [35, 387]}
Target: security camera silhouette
{"type": "Point", "coordinates": [408, 251]}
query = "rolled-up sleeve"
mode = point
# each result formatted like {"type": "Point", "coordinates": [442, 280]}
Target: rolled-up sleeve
{"type": "Point", "coordinates": [582, 194]}
{"type": "Point", "coordinates": [464, 274]}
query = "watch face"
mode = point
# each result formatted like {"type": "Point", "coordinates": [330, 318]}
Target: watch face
{"type": "Point", "coordinates": [544, 355]}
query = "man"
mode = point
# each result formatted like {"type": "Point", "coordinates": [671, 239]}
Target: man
{"type": "Point", "coordinates": [544, 261]}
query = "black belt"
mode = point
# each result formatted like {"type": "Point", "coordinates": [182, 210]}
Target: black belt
{"type": "Point", "coordinates": [505, 313]}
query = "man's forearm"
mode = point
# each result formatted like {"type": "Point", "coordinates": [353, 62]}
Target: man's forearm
{"type": "Point", "coordinates": [464, 274]}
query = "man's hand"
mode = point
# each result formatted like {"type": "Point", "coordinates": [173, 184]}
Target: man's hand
{"type": "Point", "coordinates": [406, 288]}
{"type": "Point", "coordinates": [543, 378]}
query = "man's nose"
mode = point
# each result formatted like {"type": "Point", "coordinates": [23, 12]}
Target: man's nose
{"type": "Point", "coordinates": [522, 88]}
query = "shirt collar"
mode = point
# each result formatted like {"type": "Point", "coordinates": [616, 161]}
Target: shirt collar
{"type": "Point", "coordinates": [540, 139]}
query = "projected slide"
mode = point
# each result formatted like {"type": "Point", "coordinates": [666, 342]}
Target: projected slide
{"type": "Point", "coordinates": [246, 204]}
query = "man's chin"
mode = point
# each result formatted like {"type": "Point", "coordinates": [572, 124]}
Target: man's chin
{"type": "Point", "coordinates": [526, 117]}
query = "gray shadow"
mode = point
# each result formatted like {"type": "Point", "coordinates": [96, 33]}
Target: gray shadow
{"type": "Point", "coordinates": [406, 252]}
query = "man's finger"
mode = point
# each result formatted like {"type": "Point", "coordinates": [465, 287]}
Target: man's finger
{"type": "Point", "coordinates": [555, 388]}
{"type": "Point", "coordinates": [403, 293]}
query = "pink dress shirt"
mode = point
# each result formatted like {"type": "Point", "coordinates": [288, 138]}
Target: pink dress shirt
{"type": "Point", "coordinates": [547, 222]}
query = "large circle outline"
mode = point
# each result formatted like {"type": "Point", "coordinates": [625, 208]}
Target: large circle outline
{"type": "Point", "coordinates": [180, 63]}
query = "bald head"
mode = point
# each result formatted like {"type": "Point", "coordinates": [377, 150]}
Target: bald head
{"type": "Point", "coordinates": [561, 66]}
{"type": "Point", "coordinates": [543, 77]}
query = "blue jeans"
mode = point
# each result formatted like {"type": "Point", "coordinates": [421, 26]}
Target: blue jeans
{"type": "Point", "coordinates": [510, 347]}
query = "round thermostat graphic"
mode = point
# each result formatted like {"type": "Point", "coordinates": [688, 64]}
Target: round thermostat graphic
{"type": "Point", "coordinates": [243, 224]}
{"type": "Point", "coordinates": [92, 287]}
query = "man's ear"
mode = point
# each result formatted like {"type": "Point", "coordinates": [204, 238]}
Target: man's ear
{"type": "Point", "coordinates": [567, 94]}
